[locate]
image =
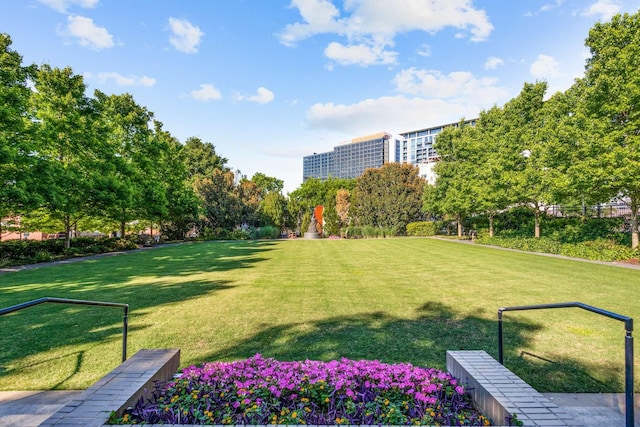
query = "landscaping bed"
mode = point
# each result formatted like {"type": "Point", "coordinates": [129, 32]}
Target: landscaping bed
{"type": "Point", "coordinates": [259, 391]}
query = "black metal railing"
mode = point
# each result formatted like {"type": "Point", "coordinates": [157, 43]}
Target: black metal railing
{"type": "Point", "coordinates": [78, 302]}
{"type": "Point", "coordinates": [628, 344]}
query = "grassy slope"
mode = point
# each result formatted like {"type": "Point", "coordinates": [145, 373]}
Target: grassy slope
{"type": "Point", "coordinates": [391, 299]}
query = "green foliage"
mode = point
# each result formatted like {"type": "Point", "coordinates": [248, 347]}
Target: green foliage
{"type": "Point", "coordinates": [267, 184]}
{"type": "Point", "coordinates": [20, 252]}
{"type": "Point", "coordinates": [314, 192]}
{"type": "Point", "coordinates": [389, 197]}
{"type": "Point", "coordinates": [600, 249]}
{"type": "Point", "coordinates": [267, 232]}
{"type": "Point", "coordinates": [422, 228]}
{"type": "Point", "coordinates": [610, 92]}
{"type": "Point", "coordinates": [369, 232]}
{"type": "Point", "coordinates": [273, 210]}
{"type": "Point", "coordinates": [201, 158]}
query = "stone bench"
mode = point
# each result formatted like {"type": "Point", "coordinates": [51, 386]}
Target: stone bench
{"type": "Point", "coordinates": [499, 393]}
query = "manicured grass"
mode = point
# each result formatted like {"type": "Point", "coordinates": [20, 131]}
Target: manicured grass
{"type": "Point", "coordinates": [395, 300]}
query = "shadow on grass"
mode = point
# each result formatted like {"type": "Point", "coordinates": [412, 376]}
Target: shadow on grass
{"type": "Point", "coordinates": [422, 340]}
{"type": "Point", "coordinates": [49, 326]}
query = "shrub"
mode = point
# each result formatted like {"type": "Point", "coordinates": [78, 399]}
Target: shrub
{"type": "Point", "coordinates": [266, 232]}
{"type": "Point", "coordinates": [260, 391]}
{"type": "Point", "coordinates": [17, 252]}
{"type": "Point", "coordinates": [423, 228]}
{"type": "Point", "coordinates": [599, 249]}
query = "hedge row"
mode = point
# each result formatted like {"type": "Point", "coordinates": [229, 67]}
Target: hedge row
{"type": "Point", "coordinates": [19, 252]}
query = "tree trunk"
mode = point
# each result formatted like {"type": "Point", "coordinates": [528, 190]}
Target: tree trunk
{"type": "Point", "coordinates": [459, 219]}
{"type": "Point", "coordinates": [490, 225]}
{"type": "Point", "coordinates": [634, 222]}
{"type": "Point", "coordinates": [67, 232]}
{"type": "Point", "coordinates": [537, 223]}
{"type": "Point", "coordinates": [122, 225]}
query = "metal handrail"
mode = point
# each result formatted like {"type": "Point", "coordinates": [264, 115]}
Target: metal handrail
{"type": "Point", "coordinates": [78, 302]}
{"type": "Point", "coordinates": [628, 344]}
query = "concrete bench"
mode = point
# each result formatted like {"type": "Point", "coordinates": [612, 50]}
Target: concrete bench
{"type": "Point", "coordinates": [118, 390]}
{"type": "Point", "coordinates": [499, 393]}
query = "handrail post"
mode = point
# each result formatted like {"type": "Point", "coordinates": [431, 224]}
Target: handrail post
{"type": "Point", "coordinates": [125, 320]}
{"type": "Point", "coordinates": [628, 345]}
{"type": "Point", "coordinates": [125, 328]}
{"type": "Point", "coordinates": [500, 345]}
{"type": "Point", "coordinates": [628, 380]}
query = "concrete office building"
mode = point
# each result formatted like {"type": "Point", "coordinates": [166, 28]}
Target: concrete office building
{"type": "Point", "coordinates": [417, 148]}
{"type": "Point", "coordinates": [351, 159]}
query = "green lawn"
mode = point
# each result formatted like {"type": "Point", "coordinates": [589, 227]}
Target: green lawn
{"type": "Point", "coordinates": [395, 300]}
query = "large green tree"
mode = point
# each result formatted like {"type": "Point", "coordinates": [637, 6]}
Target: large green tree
{"type": "Point", "coordinates": [612, 104]}
{"type": "Point", "coordinates": [202, 159]}
{"type": "Point", "coordinates": [125, 129]}
{"type": "Point", "coordinates": [220, 200]}
{"type": "Point", "coordinates": [455, 192]}
{"type": "Point", "coordinates": [523, 152]}
{"type": "Point", "coordinates": [68, 146]}
{"type": "Point", "coordinates": [388, 197]}
{"type": "Point", "coordinates": [17, 147]}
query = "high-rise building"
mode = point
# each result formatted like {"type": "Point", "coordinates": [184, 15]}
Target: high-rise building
{"type": "Point", "coordinates": [349, 160]}
{"type": "Point", "coordinates": [417, 148]}
{"type": "Point", "coordinates": [417, 145]}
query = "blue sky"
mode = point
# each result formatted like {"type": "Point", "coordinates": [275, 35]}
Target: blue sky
{"type": "Point", "coordinates": [270, 81]}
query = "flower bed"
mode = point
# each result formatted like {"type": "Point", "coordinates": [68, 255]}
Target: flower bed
{"type": "Point", "coordinates": [263, 391]}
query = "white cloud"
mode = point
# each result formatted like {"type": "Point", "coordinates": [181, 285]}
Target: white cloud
{"type": "Point", "coordinates": [390, 114]}
{"type": "Point", "coordinates": [544, 67]}
{"type": "Point", "coordinates": [459, 86]}
{"type": "Point", "coordinates": [370, 26]}
{"type": "Point", "coordinates": [89, 34]}
{"type": "Point", "coordinates": [493, 63]}
{"type": "Point", "coordinates": [185, 36]}
{"type": "Point", "coordinates": [319, 16]}
{"type": "Point", "coordinates": [262, 96]}
{"type": "Point", "coordinates": [62, 5]}
{"type": "Point", "coordinates": [550, 6]}
{"type": "Point", "coordinates": [207, 92]}
{"type": "Point", "coordinates": [359, 54]}
{"type": "Point", "coordinates": [424, 50]}
{"type": "Point", "coordinates": [605, 9]}
{"type": "Point", "coordinates": [121, 80]}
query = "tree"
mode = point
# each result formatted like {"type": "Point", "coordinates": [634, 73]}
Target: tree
{"type": "Point", "coordinates": [267, 184]}
{"type": "Point", "coordinates": [17, 162]}
{"type": "Point", "coordinates": [343, 205]}
{"type": "Point", "coordinates": [388, 197]}
{"type": "Point", "coordinates": [250, 199]}
{"type": "Point", "coordinates": [201, 158]}
{"type": "Point", "coordinates": [72, 156]}
{"type": "Point", "coordinates": [221, 204]}
{"type": "Point", "coordinates": [273, 209]}
{"type": "Point", "coordinates": [314, 192]}
{"type": "Point", "coordinates": [125, 129]}
{"type": "Point", "coordinates": [456, 189]}
{"type": "Point", "coordinates": [612, 104]}
{"type": "Point", "coordinates": [523, 152]}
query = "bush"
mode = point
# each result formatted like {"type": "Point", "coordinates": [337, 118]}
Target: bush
{"type": "Point", "coordinates": [19, 252]}
{"type": "Point", "coordinates": [266, 232]}
{"type": "Point", "coordinates": [598, 250]}
{"type": "Point", "coordinates": [423, 228]}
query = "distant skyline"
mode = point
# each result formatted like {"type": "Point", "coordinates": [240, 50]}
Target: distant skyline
{"type": "Point", "coordinates": [271, 81]}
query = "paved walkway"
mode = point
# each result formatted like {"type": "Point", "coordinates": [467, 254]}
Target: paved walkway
{"type": "Point", "coordinates": [594, 409]}
{"type": "Point", "coordinates": [30, 408]}
{"type": "Point", "coordinates": [81, 258]}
